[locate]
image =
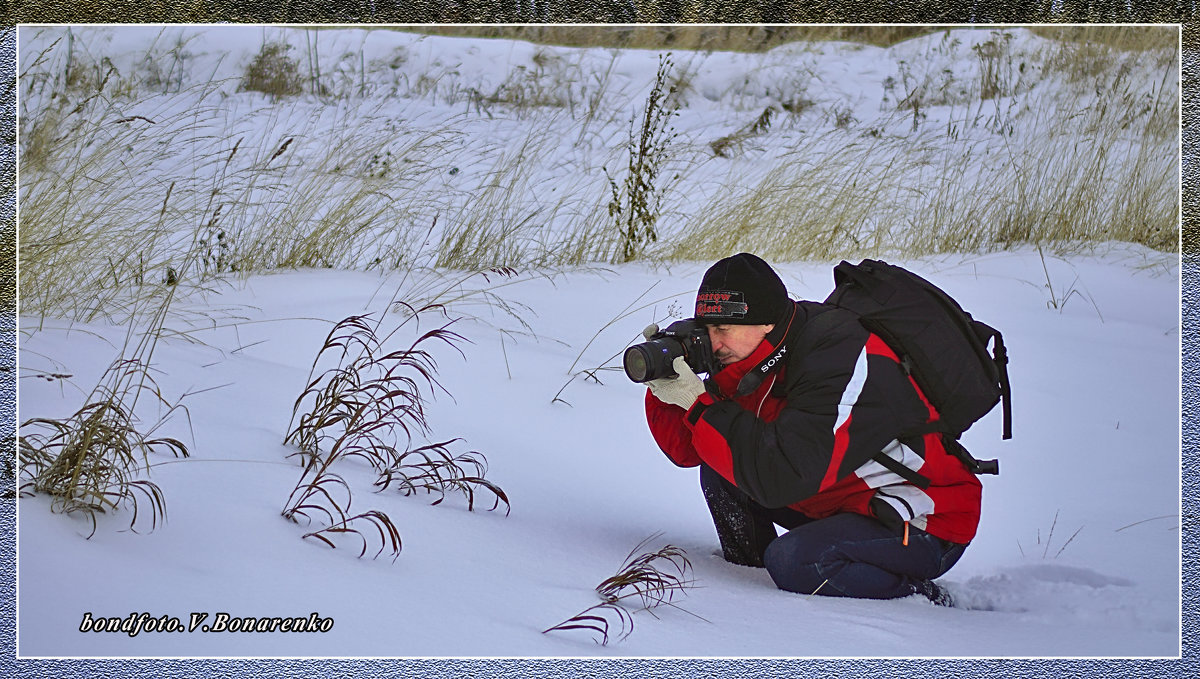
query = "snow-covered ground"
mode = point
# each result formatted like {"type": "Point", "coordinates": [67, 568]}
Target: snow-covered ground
{"type": "Point", "coordinates": [1078, 552]}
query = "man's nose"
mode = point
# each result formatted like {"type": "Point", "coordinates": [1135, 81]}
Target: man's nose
{"type": "Point", "coordinates": [717, 344]}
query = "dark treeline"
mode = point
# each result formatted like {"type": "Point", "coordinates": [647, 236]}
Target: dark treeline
{"type": "Point", "coordinates": [608, 11]}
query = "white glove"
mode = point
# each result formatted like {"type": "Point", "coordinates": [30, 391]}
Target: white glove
{"type": "Point", "coordinates": [650, 331]}
{"type": "Point", "coordinates": [682, 390]}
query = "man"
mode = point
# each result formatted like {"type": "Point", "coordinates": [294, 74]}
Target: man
{"type": "Point", "coordinates": [789, 430]}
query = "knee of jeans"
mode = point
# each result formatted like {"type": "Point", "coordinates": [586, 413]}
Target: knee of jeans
{"type": "Point", "coordinates": [785, 554]}
{"type": "Point", "coordinates": [790, 570]}
{"type": "Point", "coordinates": [771, 554]}
{"type": "Point", "coordinates": [776, 562]}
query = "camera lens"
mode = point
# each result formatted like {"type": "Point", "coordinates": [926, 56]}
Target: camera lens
{"type": "Point", "coordinates": [636, 366]}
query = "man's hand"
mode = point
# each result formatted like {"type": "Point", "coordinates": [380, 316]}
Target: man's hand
{"type": "Point", "coordinates": [682, 390]}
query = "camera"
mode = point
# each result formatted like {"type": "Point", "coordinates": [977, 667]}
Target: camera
{"type": "Point", "coordinates": [652, 359]}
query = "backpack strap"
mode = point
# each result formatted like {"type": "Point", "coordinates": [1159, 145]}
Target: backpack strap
{"type": "Point", "coordinates": [999, 358]}
{"type": "Point", "coordinates": [975, 466]}
{"type": "Point", "coordinates": [953, 446]}
{"type": "Point", "coordinates": [912, 476]}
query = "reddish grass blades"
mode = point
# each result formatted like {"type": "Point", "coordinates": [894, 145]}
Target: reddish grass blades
{"type": "Point", "coordinates": [433, 469]}
{"type": "Point", "coordinates": [652, 578]}
{"type": "Point", "coordinates": [371, 405]}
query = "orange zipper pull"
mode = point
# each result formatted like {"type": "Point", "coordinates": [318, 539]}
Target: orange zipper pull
{"type": "Point", "coordinates": [905, 533]}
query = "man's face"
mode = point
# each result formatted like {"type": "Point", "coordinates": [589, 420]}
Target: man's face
{"type": "Point", "coordinates": [732, 343]}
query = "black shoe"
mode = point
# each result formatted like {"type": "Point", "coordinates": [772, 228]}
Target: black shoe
{"type": "Point", "coordinates": [935, 593]}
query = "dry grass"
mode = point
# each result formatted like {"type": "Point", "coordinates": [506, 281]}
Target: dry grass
{"type": "Point", "coordinates": [369, 405]}
{"type": "Point", "coordinates": [118, 185]}
{"type": "Point", "coordinates": [611, 364]}
{"type": "Point", "coordinates": [434, 469]}
{"type": "Point", "coordinates": [370, 398]}
{"type": "Point", "coordinates": [245, 203]}
{"type": "Point", "coordinates": [803, 208]}
{"type": "Point", "coordinates": [761, 38]}
{"type": "Point", "coordinates": [76, 229]}
{"type": "Point", "coordinates": [1050, 538]}
{"type": "Point", "coordinates": [89, 461]}
{"type": "Point", "coordinates": [501, 222]}
{"type": "Point", "coordinates": [652, 579]}
{"type": "Point", "coordinates": [1118, 38]}
{"type": "Point", "coordinates": [637, 203]}
{"type": "Point", "coordinates": [965, 188]}
{"type": "Point", "coordinates": [682, 37]}
{"type": "Point", "coordinates": [273, 72]}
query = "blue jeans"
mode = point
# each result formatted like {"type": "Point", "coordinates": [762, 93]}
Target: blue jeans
{"type": "Point", "coordinates": [841, 555]}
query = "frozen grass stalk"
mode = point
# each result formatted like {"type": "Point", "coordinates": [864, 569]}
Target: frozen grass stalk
{"type": "Point", "coordinates": [89, 462]}
{"type": "Point", "coordinates": [637, 203]}
{"type": "Point", "coordinates": [369, 406]}
{"type": "Point", "coordinates": [652, 579]}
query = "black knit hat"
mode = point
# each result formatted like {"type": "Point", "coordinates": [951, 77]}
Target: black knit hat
{"type": "Point", "coordinates": [741, 290]}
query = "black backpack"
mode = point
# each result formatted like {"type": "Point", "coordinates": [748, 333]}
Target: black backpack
{"type": "Point", "coordinates": [941, 347]}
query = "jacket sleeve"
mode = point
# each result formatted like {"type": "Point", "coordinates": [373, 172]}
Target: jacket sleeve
{"type": "Point", "coordinates": [671, 433]}
{"type": "Point", "coordinates": [845, 400]}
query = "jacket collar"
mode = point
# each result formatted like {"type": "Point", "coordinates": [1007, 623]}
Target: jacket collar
{"type": "Point", "coordinates": [745, 376]}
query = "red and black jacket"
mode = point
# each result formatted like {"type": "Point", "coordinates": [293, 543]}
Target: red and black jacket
{"type": "Point", "coordinates": [808, 436]}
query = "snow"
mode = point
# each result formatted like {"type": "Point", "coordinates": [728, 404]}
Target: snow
{"type": "Point", "coordinates": [1078, 552]}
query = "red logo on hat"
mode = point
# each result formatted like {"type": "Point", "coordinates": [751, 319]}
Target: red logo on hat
{"type": "Point", "coordinates": [721, 304]}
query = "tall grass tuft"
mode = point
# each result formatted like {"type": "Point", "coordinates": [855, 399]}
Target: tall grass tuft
{"type": "Point", "coordinates": [369, 406]}
{"type": "Point", "coordinates": [89, 461]}
{"type": "Point", "coordinates": [497, 225]}
{"type": "Point", "coordinates": [371, 398]}
{"type": "Point", "coordinates": [434, 469]}
{"type": "Point", "coordinates": [322, 494]}
{"type": "Point", "coordinates": [990, 180]}
{"type": "Point", "coordinates": [652, 579]}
